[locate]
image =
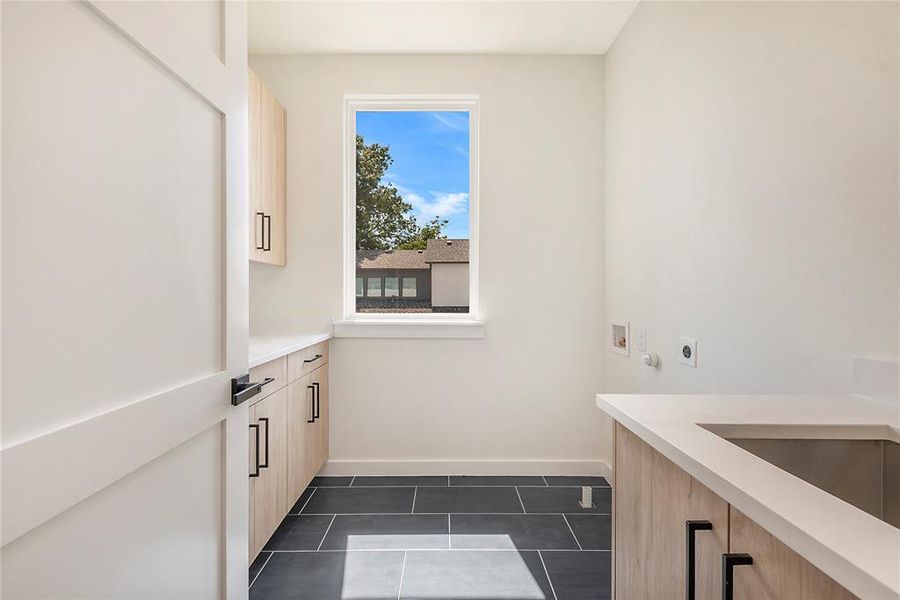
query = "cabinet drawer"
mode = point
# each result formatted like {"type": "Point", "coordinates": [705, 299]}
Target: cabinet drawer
{"type": "Point", "coordinates": [305, 361]}
{"type": "Point", "coordinates": [276, 369]}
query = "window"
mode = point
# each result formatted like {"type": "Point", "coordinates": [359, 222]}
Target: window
{"type": "Point", "coordinates": [409, 287]}
{"type": "Point", "coordinates": [411, 206]}
{"type": "Point", "coordinates": [391, 287]}
{"type": "Point", "coordinates": [373, 287]}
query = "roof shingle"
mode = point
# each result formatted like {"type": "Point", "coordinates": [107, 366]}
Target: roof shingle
{"type": "Point", "coordinates": [447, 251]}
{"type": "Point", "coordinates": [391, 259]}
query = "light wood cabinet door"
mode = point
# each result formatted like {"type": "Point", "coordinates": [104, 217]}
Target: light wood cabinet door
{"type": "Point", "coordinates": [275, 369]}
{"type": "Point", "coordinates": [307, 360]}
{"type": "Point", "coordinates": [268, 155]}
{"type": "Point", "coordinates": [654, 499]}
{"type": "Point", "coordinates": [777, 572]}
{"type": "Point", "coordinates": [318, 438]}
{"type": "Point", "coordinates": [301, 407]}
{"type": "Point", "coordinates": [255, 198]}
{"type": "Point", "coordinates": [268, 490]}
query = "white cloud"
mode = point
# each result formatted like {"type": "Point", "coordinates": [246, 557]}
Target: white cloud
{"type": "Point", "coordinates": [441, 204]}
{"type": "Point", "coordinates": [456, 121]}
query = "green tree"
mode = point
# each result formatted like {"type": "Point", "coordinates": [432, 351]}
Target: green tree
{"type": "Point", "coordinates": [429, 231]}
{"type": "Point", "coordinates": [383, 219]}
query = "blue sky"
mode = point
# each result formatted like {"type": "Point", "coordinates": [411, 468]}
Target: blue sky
{"type": "Point", "coordinates": [431, 161]}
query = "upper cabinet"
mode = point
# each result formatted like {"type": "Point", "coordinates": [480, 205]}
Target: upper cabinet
{"type": "Point", "coordinates": [268, 150]}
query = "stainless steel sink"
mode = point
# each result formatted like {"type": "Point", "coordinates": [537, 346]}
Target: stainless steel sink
{"type": "Point", "coordinates": [861, 470]}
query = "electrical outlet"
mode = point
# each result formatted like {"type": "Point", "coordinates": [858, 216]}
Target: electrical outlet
{"type": "Point", "coordinates": [688, 352]}
{"type": "Point", "coordinates": [641, 341]}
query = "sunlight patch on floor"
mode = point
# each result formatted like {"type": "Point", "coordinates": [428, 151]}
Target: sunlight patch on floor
{"type": "Point", "coordinates": [443, 573]}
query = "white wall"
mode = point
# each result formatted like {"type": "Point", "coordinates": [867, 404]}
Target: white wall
{"type": "Point", "coordinates": [523, 393]}
{"type": "Point", "coordinates": [450, 284]}
{"type": "Point", "coordinates": [752, 196]}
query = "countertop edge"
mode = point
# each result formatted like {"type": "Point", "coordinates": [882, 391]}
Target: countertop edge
{"type": "Point", "coordinates": [847, 573]}
{"type": "Point", "coordinates": [292, 343]}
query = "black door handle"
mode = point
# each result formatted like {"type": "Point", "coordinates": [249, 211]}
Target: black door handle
{"type": "Point", "coordinates": [255, 427]}
{"type": "Point", "coordinates": [265, 420]}
{"type": "Point", "coordinates": [312, 404]}
{"type": "Point", "coordinates": [317, 394]}
{"type": "Point", "coordinates": [313, 359]}
{"type": "Point", "coordinates": [262, 231]}
{"type": "Point", "coordinates": [242, 389]}
{"type": "Point", "coordinates": [267, 239]}
{"type": "Point", "coordinates": [690, 528]}
{"type": "Point", "coordinates": [729, 562]}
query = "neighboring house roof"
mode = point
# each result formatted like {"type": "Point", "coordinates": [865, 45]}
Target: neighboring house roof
{"type": "Point", "coordinates": [391, 259]}
{"type": "Point", "coordinates": [447, 251]}
{"type": "Point", "coordinates": [437, 251]}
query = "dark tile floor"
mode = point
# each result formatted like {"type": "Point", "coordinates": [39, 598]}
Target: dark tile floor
{"type": "Point", "coordinates": [440, 537]}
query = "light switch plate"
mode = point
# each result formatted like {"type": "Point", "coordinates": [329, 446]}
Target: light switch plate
{"type": "Point", "coordinates": [687, 353]}
{"type": "Point", "coordinates": [641, 341]}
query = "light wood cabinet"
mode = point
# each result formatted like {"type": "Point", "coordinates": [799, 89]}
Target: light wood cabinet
{"type": "Point", "coordinates": [317, 434]}
{"type": "Point", "coordinates": [268, 154]}
{"type": "Point", "coordinates": [268, 488]}
{"type": "Point", "coordinates": [301, 414]}
{"type": "Point", "coordinates": [305, 361]}
{"type": "Point", "coordinates": [653, 501]}
{"type": "Point", "coordinates": [307, 428]}
{"type": "Point", "coordinates": [292, 411]}
{"type": "Point", "coordinates": [777, 571]}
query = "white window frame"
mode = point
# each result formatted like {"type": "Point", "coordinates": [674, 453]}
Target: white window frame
{"type": "Point", "coordinates": [356, 324]}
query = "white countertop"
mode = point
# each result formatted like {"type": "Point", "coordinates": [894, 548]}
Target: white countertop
{"type": "Point", "coordinates": [859, 551]}
{"type": "Point", "coordinates": [266, 347]}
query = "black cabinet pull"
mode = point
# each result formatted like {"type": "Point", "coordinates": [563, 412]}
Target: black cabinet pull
{"type": "Point", "coordinates": [317, 394]}
{"type": "Point", "coordinates": [262, 231]}
{"type": "Point", "coordinates": [266, 381]}
{"type": "Point", "coordinates": [729, 562]}
{"type": "Point", "coordinates": [690, 528]}
{"type": "Point", "coordinates": [265, 465]}
{"type": "Point", "coordinates": [267, 239]}
{"type": "Point", "coordinates": [255, 428]}
{"type": "Point", "coordinates": [313, 359]}
{"type": "Point", "coordinates": [312, 404]}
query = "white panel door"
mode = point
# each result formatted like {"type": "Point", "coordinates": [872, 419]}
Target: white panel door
{"type": "Point", "coordinates": [124, 299]}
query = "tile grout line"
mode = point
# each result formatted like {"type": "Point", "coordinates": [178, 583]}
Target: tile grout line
{"type": "Point", "coordinates": [520, 501]}
{"type": "Point", "coordinates": [271, 554]}
{"type": "Point", "coordinates": [351, 481]}
{"type": "Point", "coordinates": [545, 482]}
{"type": "Point", "coordinates": [591, 514]}
{"type": "Point", "coordinates": [518, 550]}
{"type": "Point", "coordinates": [333, 517]}
{"type": "Point", "coordinates": [547, 573]}
{"type": "Point", "coordinates": [572, 532]}
{"type": "Point", "coordinates": [415, 492]}
{"type": "Point", "coordinates": [315, 489]}
{"type": "Point", "coordinates": [402, 571]}
{"type": "Point", "coordinates": [449, 534]}
{"type": "Point", "coordinates": [458, 485]}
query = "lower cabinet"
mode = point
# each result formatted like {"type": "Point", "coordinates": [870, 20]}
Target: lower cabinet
{"type": "Point", "coordinates": [672, 532]}
{"type": "Point", "coordinates": [268, 472]}
{"type": "Point", "coordinates": [778, 571]}
{"type": "Point", "coordinates": [317, 431]}
{"type": "Point", "coordinates": [653, 501]}
{"type": "Point", "coordinates": [288, 443]}
{"type": "Point", "coordinates": [307, 429]}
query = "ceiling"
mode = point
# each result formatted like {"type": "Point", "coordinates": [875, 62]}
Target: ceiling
{"type": "Point", "coordinates": [436, 26]}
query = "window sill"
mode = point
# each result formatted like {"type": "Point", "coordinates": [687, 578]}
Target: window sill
{"type": "Point", "coordinates": [418, 328]}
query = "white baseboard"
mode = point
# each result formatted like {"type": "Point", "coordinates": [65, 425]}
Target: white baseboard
{"type": "Point", "coordinates": [467, 467]}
